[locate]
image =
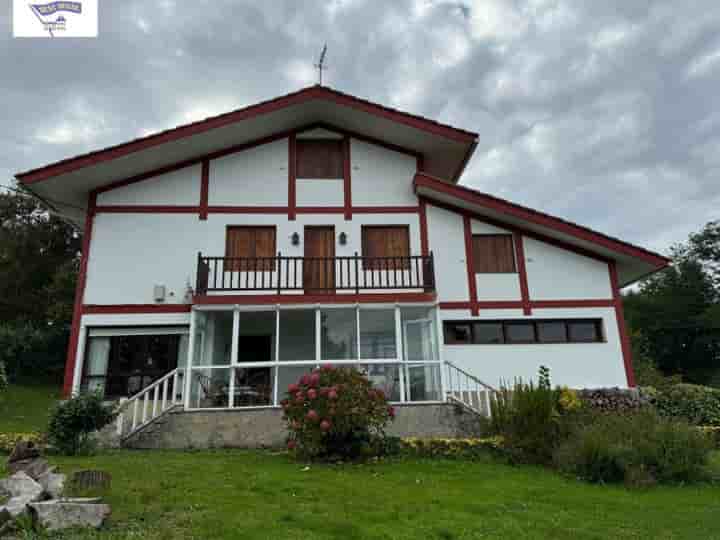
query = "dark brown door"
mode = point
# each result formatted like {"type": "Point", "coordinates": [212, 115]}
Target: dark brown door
{"type": "Point", "coordinates": [319, 264]}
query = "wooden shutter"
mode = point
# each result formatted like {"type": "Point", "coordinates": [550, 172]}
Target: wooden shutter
{"type": "Point", "coordinates": [493, 254]}
{"type": "Point", "coordinates": [386, 241]}
{"type": "Point", "coordinates": [246, 244]}
{"type": "Point", "coordinates": [319, 158]}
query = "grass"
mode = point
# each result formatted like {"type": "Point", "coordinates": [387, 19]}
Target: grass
{"type": "Point", "coordinates": [26, 407]}
{"type": "Point", "coordinates": [260, 495]}
{"type": "Point", "coordinates": [224, 494]}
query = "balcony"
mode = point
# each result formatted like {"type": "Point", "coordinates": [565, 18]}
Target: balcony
{"type": "Point", "coordinates": [315, 275]}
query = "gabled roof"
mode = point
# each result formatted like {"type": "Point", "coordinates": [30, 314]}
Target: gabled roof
{"type": "Point", "coordinates": [445, 149]}
{"type": "Point", "coordinates": [633, 262]}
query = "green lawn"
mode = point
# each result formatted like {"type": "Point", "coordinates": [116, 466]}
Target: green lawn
{"type": "Point", "coordinates": [26, 407]}
{"type": "Point", "coordinates": [254, 495]}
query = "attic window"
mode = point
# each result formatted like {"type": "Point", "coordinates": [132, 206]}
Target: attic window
{"type": "Point", "coordinates": [319, 158]}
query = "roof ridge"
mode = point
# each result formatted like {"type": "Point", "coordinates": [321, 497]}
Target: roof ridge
{"type": "Point", "coordinates": [315, 90]}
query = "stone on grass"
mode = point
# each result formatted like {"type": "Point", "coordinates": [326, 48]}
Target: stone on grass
{"type": "Point", "coordinates": [52, 483]}
{"type": "Point", "coordinates": [34, 467]}
{"type": "Point", "coordinates": [23, 450]}
{"type": "Point", "coordinates": [58, 515]}
{"type": "Point", "coordinates": [22, 491]}
{"type": "Point", "coordinates": [20, 485]}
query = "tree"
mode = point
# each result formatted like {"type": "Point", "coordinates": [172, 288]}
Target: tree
{"type": "Point", "coordinates": [39, 256]}
{"type": "Point", "coordinates": [674, 318]}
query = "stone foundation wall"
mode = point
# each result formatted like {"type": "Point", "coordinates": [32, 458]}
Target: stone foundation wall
{"type": "Point", "coordinates": [264, 428]}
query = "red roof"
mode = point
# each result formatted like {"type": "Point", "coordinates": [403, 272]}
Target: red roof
{"type": "Point", "coordinates": [293, 98]}
{"type": "Point", "coordinates": [540, 218]}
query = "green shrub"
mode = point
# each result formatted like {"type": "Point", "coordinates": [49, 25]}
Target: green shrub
{"type": "Point", "coordinates": [638, 449]}
{"type": "Point", "coordinates": [699, 405]}
{"type": "Point", "coordinates": [72, 422]}
{"type": "Point", "coordinates": [336, 413]}
{"type": "Point", "coordinates": [3, 377]}
{"type": "Point", "coordinates": [527, 416]}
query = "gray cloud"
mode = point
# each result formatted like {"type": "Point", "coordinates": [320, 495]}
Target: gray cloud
{"type": "Point", "coordinates": [600, 112]}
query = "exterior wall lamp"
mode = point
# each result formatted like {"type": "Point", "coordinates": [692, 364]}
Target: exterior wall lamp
{"type": "Point", "coordinates": [342, 238]}
{"type": "Point", "coordinates": [295, 239]}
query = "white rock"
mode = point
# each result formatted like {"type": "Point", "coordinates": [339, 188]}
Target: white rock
{"type": "Point", "coordinates": [57, 515]}
{"type": "Point", "coordinates": [21, 485]}
{"type": "Point", "coordinates": [53, 484]}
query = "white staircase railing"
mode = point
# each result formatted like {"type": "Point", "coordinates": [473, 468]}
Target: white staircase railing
{"type": "Point", "coordinates": [467, 390]}
{"type": "Point", "coordinates": [150, 403]}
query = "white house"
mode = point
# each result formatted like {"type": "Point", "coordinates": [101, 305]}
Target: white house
{"type": "Point", "coordinates": [224, 258]}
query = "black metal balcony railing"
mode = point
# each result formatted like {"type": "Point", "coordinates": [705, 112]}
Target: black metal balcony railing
{"type": "Point", "coordinates": [316, 275]}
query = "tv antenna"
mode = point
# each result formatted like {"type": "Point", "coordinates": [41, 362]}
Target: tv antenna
{"type": "Point", "coordinates": [321, 63]}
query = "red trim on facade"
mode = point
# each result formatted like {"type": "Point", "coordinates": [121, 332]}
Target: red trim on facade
{"type": "Point", "coordinates": [247, 209]}
{"type": "Point", "coordinates": [204, 188]}
{"type": "Point", "coordinates": [296, 98]}
{"type": "Point", "coordinates": [79, 294]}
{"type": "Point", "coordinates": [622, 326]}
{"type": "Point", "coordinates": [347, 178]}
{"type": "Point", "coordinates": [539, 218]}
{"type": "Point", "coordinates": [469, 264]}
{"type": "Point", "coordinates": [536, 304]}
{"type": "Point", "coordinates": [170, 209]}
{"type": "Point", "coordinates": [522, 272]}
{"type": "Point", "coordinates": [147, 209]}
{"type": "Point", "coordinates": [385, 209]}
{"type": "Point", "coordinates": [292, 200]}
{"type": "Point", "coordinates": [95, 309]}
{"type": "Point", "coordinates": [424, 249]}
{"type": "Point", "coordinates": [262, 299]}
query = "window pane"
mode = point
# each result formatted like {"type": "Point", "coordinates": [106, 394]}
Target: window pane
{"type": "Point", "coordinates": [215, 343]}
{"type": "Point", "coordinates": [488, 333]}
{"type": "Point", "coordinates": [385, 377]}
{"type": "Point", "coordinates": [297, 335]}
{"type": "Point", "coordinates": [339, 334]}
{"type": "Point", "coordinates": [377, 333]}
{"type": "Point", "coordinates": [253, 386]}
{"type": "Point", "coordinates": [551, 332]}
{"type": "Point", "coordinates": [209, 388]}
{"type": "Point", "coordinates": [422, 383]}
{"type": "Point", "coordinates": [519, 332]}
{"type": "Point", "coordinates": [457, 333]}
{"type": "Point", "coordinates": [583, 331]}
{"type": "Point", "coordinates": [288, 375]}
{"type": "Point", "coordinates": [256, 337]}
{"type": "Point", "coordinates": [419, 334]}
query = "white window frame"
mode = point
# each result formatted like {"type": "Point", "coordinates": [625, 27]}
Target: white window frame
{"type": "Point", "coordinates": [276, 363]}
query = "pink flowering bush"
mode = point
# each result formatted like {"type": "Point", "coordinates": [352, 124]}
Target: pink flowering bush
{"type": "Point", "coordinates": [336, 412]}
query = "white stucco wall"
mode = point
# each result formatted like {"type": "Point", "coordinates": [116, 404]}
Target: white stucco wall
{"type": "Point", "coordinates": [130, 253]}
{"type": "Point", "coordinates": [319, 192]}
{"type": "Point", "coordinates": [557, 274]}
{"type": "Point", "coordinates": [181, 187]}
{"type": "Point", "coordinates": [446, 239]}
{"type": "Point", "coordinates": [381, 177]}
{"type": "Point", "coordinates": [254, 177]}
{"type": "Point", "coordinates": [577, 365]}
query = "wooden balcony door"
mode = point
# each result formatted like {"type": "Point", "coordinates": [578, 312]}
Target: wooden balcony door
{"type": "Point", "coordinates": [319, 264]}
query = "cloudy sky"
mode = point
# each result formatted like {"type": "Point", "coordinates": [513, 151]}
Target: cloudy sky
{"type": "Point", "coordinates": [605, 113]}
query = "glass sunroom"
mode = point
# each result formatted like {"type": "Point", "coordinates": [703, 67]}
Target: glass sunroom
{"type": "Point", "coordinates": [247, 357]}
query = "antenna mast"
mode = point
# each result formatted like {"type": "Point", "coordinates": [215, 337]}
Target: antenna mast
{"type": "Point", "coordinates": [321, 64]}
